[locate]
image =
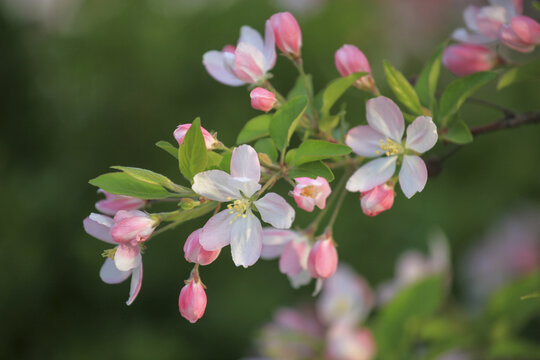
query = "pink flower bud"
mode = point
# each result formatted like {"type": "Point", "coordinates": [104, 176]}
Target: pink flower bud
{"type": "Point", "coordinates": [309, 193]}
{"type": "Point", "coordinates": [182, 129]}
{"type": "Point", "coordinates": [349, 60]}
{"type": "Point", "coordinates": [323, 259]}
{"type": "Point", "coordinates": [287, 33]}
{"type": "Point", "coordinates": [132, 225]}
{"type": "Point", "coordinates": [522, 34]}
{"type": "Point", "coordinates": [229, 49]}
{"type": "Point", "coordinates": [377, 200]}
{"type": "Point", "coordinates": [466, 59]}
{"type": "Point", "coordinates": [195, 253]}
{"type": "Point", "coordinates": [262, 99]}
{"type": "Point", "coordinates": [114, 203]}
{"type": "Point", "coordinates": [192, 301]}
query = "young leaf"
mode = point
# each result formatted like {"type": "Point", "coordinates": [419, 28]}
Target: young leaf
{"type": "Point", "coordinates": [458, 133]}
{"type": "Point", "coordinates": [299, 89]}
{"type": "Point", "coordinates": [314, 150]}
{"type": "Point", "coordinates": [458, 91]}
{"type": "Point", "coordinates": [266, 146]}
{"type": "Point", "coordinates": [225, 163]}
{"type": "Point", "coordinates": [153, 178]}
{"type": "Point", "coordinates": [426, 85]}
{"type": "Point", "coordinates": [254, 129]}
{"type": "Point", "coordinates": [312, 170]}
{"type": "Point", "coordinates": [168, 147]}
{"type": "Point", "coordinates": [285, 119]}
{"type": "Point", "coordinates": [336, 89]}
{"type": "Point", "coordinates": [192, 155]}
{"type": "Point", "coordinates": [402, 89]}
{"type": "Point", "coordinates": [527, 72]}
{"type": "Point", "coordinates": [120, 183]}
{"type": "Point", "coordinates": [214, 159]}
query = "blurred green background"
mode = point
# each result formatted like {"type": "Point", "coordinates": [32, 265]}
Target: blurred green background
{"type": "Point", "coordinates": [93, 83]}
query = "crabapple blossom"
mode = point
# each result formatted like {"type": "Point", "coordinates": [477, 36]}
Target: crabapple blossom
{"type": "Point", "coordinates": [194, 252]}
{"type": "Point", "coordinates": [521, 34]}
{"type": "Point", "coordinates": [248, 62]}
{"type": "Point", "coordinates": [114, 203]}
{"type": "Point", "coordinates": [348, 343]}
{"type": "Point", "coordinates": [192, 300]}
{"type": "Point", "coordinates": [349, 60]}
{"type": "Point", "coordinates": [377, 200]}
{"type": "Point", "coordinates": [384, 137]}
{"type": "Point", "coordinates": [323, 258]}
{"type": "Point", "coordinates": [237, 225]}
{"type": "Point", "coordinates": [293, 260]}
{"type": "Point", "coordinates": [99, 226]}
{"type": "Point", "coordinates": [180, 132]}
{"type": "Point", "coordinates": [274, 241]}
{"type": "Point", "coordinates": [466, 59]}
{"type": "Point", "coordinates": [287, 34]}
{"type": "Point", "coordinates": [309, 193]}
{"type": "Point", "coordinates": [262, 99]}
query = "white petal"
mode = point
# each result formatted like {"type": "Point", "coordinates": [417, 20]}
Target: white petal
{"type": "Point", "coordinates": [300, 279]}
{"type": "Point", "coordinates": [269, 46]}
{"type": "Point", "coordinates": [251, 36]}
{"type": "Point", "coordinates": [469, 15]}
{"type": "Point", "coordinates": [374, 173]}
{"type": "Point", "coordinates": [110, 274]}
{"type": "Point", "coordinates": [127, 257]}
{"type": "Point", "coordinates": [245, 163]}
{"type": "Point", "coordinates": [464, 36]}
{"type": "Point", "coordinates": [413, 175]}
{"type": "Point", "coordinates": [99, 226]}
{"type": "Point", "coordinates": [364, 140]}
{"type": "Point", "coordinates": [245, 186]}
{"type": "Point", "coordinates": [421, 134]}
{"type": "Point", "coordinates": [508, 5]}
{"type": "Point", "coordinates": [215, 185]}
{"type": "Point", "coordinates": [275, 211]}
{"type": "Point", "coordinates": [385, 116]}
{"type": "Point", "coordinates": [274, 240]}
{"type": "Point", "coordinates": [136, 282]}
{"type": "Point", "coordinates": [246, 240]}
{"type": "Point", "coordinates": [215, 63]}
{"type": "Point", "coordinates": [216, 233]}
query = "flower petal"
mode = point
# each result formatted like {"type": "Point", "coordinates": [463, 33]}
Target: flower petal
{"type": "Point", "coordinates": [364, 140]}
{"type": "Point", "coordinates": [99, 226]}
{"type": "Point", "coordinates": [274, 240]}
{"type": "Point", "coordinates": [249, 63]}
{"type": "Point", "coordinates": [413, 175]}
{"type": "Point", "coordinates": [462, 35]}
{"type": "Point", "coordinates": [269, 46]}
{"type": "Point", "coordinates": [215, 63]}
{"type": "Point", "coordinates": [246, 240]}
{"type": "Point", "coordinates": [251, 36]}
{"type": "Point", "coordinates": [374, 173]}
{"type": "Point", "coordinates": [110, 274]}
{"type": "Point", "coordinates": [127, 257]}
{"type": "Point", "coordinates": [275, 211]}
{"type": "Point", "coordinates": [136, 283]}
{"type": "Point", "coordinates": [469, 15]}
{"type": "Point", "coordinates": [300, 279]}
{"type": "Point", "coordinates": [385, 116]}
{"type": "Point", "coordinates": [216, 233]}
{"type": "Point", "coordinates": [245, 163]}
{"type": "Point", "coordinates": [215, 185]}
{"type": "Point", "coordinates": [421, 134]}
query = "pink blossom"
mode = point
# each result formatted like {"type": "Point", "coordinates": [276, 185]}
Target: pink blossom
{"type": "Point", "coordinates": [274, 241]}
{"type": "Point", "coordinates": [132, 225]}
{"type": "Point", "coordinates": [293, 261]}
{"type": "Point", "coordinates": [182, 129]}
{"type": "Point", "coordinates": [522, 34]}
{"type": "Point", "coordinates": [383, 138]}
{"type": "Point", "coordinates": [309, 193]}
{"type": "Point", "coordinates": [466, 59]}
{"type": "Point", "coordinates": [287, 33]}
{"type": "Point", "coordinates": [192, 301]}
{"type": "Point", "coordinates": [377, 200]}
{"type": "Point", "coordinates": [194, 252]}
{"type": "Point", "coordinates": [323, 258]}
{"type": "Point", "coordinates": [262, 99]}
{"type": "Point", "coordinates": [237, 225]}
{"type": "Point", "coordinates": [248, 62]}
{"type": "Point", "coordinates": [347, 343]}
{"type": "Point", "coordinates": [114, 203]}
{"type": "Point", "coordinates": [349, 60]}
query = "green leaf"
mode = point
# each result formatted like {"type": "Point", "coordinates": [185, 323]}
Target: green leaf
{"type": "Point", "coordinates": [299, 89]}
{"type": "Point", "coordinates": [527, 72]}
{"type": "Point", "coordinates": [214, 159]}
{"type": "Point", "coordinates": [254, 129]}
{"type": "Point", "coordinates": [193, 156]}
{"type": "Point", "coordinates": [285, 120]}
{"type": "Point", "coordinates": [426, 85]}
{"type": "Point", "coordinates": [120, 183]}
{"type": "Point", "coordinates": [536, 5]}
{"type": "Point", "coordinates": [153, 178]}
{"type": "Point", "coordinates": [225, 163]}
{"type": "Point", "coordinates": [290, 156]}
{"type": "Point", "coordinates": [267, 147]}
{"type": "Point", "coordinates": [313, 150]}
{"type": "Point", "coordinates": [335, 90]}
{"type": "Point", "coordinates": [312, 170]}
{"type": "Point", "coordinates": [458, 91]}
{"type": "Point", "coordinates": [458, 133]}
{"type": "Point", "coordinates": [402, 89]}
{"type": "Point", "coordinates": [168, 147]}
{"type": "Point", "coordinates": [514, 349]}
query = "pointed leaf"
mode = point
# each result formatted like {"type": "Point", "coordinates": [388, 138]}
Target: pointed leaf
{"type": "Point", "coordinates": [458, 133]}
{"type": "Point", "coordinates": [254, 129]}
{"type": "Point", "coordinates": [527, 72]}
{"type": "Point", "coordinates": [192, 156]}
{"type": "Point", "coordinates": [153, 178]}
{"type": "Point", "coordinates": [120, 183]}
{"type": "Point", "coordinates": [336, 89]}
{"type": "Point", "coordinates": [168, 147]}
{"type": "Point", "coordinates": [285, 120]}
{"type": "Point", "coordinates": [402, 89]}
{"type": "Point", "coordinates": [266, 146]}
{"type": "Point", "coordinates": [314, 150]}
{"type": "Point", "coordinates": [426, 85]}
{"type": "Point", "coordinates": [312, 170]}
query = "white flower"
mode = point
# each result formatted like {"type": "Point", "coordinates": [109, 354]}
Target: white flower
{"type": "Point", "coordinates": [383, 137]}
{"type": "Point", "coordinates": [237, 225]}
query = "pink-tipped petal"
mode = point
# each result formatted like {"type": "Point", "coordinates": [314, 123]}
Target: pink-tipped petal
{"type": "Point", "coordinates": [274, 240]}
{"type": "Point", "coordinates": [195, 253]}
{"type": "Point", "coordinates": [99, 226]}
{"type": "Point", "coordinates": [469, 16]}
{"type": "Point", "coordinates": [249, 62]}
{"type": "Point", "coordinates": [262, 99]}
{"type": "Point", "coordinates": [413, 175]}
{"type": "Point", "coordinates": [385, 116]}
{"type": "Point", "coordinates": [466, 59]}
{"type": "Point", "coordinates": [109, 274]}
{"type": "Point", "coordinates": [490, 19]}
{"type": "Point", "coordinates": [364, 141]}
{"type": "Point", "coordinates": [293, 260]}
{"type": "Point", "coordinates": [287, 33]}
{"type": "Point", "coordinates": [463, 36]}
{"type": "Point", "coordinates": [421, 134]}
{"type": "Point", "coordinates": [377, 200]}
{"type": "Point", "coordinates": [269, 50]}
{"type": "Point", "coordinates": [135, 226]}
{"type": "Point", "coordinates": [216, 232]}
{"type": "Point", "coordinates": [182, 129]}
{"type": "Point", "coordinates": [216, 65]}
{"type": "Point", "coordinates": [275, 211]}
{"type": "Point", "coordinates": [136, 283]}
{"type": "Point", "coordinates": [215, 185]}
{"type": "Point", "coordinates": [251, 36]}
{"type": "Point", "coordinates": [127, 257]}
{"type": "Point", "coordinates": [375, 172]}
{"type": "Point", "coordinates": [246, 240]}
{"type": "Point", "coordinates": [245, 163]}
{"type": "Point", "coordinates": [323, 259]}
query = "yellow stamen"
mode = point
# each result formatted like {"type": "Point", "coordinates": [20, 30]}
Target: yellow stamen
{"type": "Point", "coordinates": [308, 191]}
{"type": "Point", "coordinates": [239, 207]}
{"type": "Point", "coordinates": [109, 253]}
{"type": "Point", "coordinates": [390, 147]}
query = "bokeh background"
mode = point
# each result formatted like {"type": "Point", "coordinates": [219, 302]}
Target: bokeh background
{"type": "Point", "coordinates": [87, 84]}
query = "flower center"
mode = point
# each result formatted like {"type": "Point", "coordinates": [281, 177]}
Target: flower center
{"type": "Point", "coordinates": [239, 207]}
{"type": "Point", "coordinates": [390, 147]}
{"type": "Point", "coordinates": [308, 191]}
